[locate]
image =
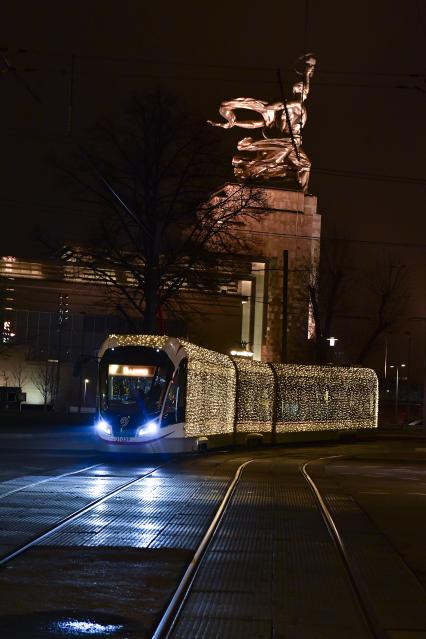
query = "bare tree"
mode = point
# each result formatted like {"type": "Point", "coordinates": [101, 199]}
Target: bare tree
{"type": "Point", "coordinates": [44, 379]}
{"type": "Point", "coordinates": [388, 290]}
{"type": "Point", "coordinates": [328, 287]}
{"type": "Point", "coordinates": [162, 220]}
{"type": "Point", "coordinates": [340, 291]}
{"type": "Point", "coordinates": [6, 377]}
{"type": "Point", "coordinates": [6, 347]}
{"type": "Point", "coordinates": [18, 374]}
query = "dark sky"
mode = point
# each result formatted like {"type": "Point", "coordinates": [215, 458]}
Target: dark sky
{"type": "Point", "coordinates": [365, 133]}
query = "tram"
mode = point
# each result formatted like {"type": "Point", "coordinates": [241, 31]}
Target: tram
{"type": "Point", "coordinates": [159, 394]}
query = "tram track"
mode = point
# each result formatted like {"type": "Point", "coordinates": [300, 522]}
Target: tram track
{"type": "Point", "coordinates": [6, 558]}
{"type": "Point", "coordinates": [358, 570]}
{"type": "Point", "coordinates": [170, 617]}
{"type": "Point", "coordinates": [46, 623]}
{"type": "Point", "coordinates": [76, 514]}
{"type": "Point", "coordinates": [47, 480]}
{"type": "Point", "coordinates": [285, 495]}
{"type": "Point", "coordinates": [372, 621]}
{"type": "Point", "coordinates": [171, 614]}
{"type": "Point", "coordinates": [356, 582]}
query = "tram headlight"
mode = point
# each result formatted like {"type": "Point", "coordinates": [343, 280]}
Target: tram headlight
{"type": "Point", "coordinates": [148, 429]}
{"type": "Point", "coordinates": [103, 427]}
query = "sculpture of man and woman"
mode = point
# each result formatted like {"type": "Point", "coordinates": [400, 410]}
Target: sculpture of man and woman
{"type": "Point", "coordinates": [281, 124]}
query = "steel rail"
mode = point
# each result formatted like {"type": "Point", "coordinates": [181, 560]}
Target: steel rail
{"type": "Point", "coordinates": [358, 588]}
{"type": "Point", "coordinates": [172, 612]}
{"type": "Point", "coordinates": [71, 517]}
{"type": "Point", "coordinates": [52, 478]}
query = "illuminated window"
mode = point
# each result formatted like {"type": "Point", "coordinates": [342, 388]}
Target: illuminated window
{"type": "Point", "coordinates": [7, 333]}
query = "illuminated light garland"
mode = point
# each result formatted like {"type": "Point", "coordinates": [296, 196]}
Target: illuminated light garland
{"type": "Point", "coordinates": [308, 398]}
{"type": "Point", "coordinates": [325, 398]}
{"type": "Point", "coordinates": [151, 341]}
{"type": "Point", "coordinates": [255, 398]}
{"type": "Point", "coordinates": [211, 391]}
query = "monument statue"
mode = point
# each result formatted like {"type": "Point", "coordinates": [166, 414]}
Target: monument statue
{"type": "Point", "coordinates": [281, 124]}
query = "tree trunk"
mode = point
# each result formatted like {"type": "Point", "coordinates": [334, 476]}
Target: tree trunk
{"type": "Point", "coordinates": [319, 338]}
{"type": "Point", "coordinates": [369, 343]}
{"type": "Point", "coordinates": [151, 301]}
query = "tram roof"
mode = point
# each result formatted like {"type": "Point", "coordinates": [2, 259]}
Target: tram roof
{"type": "Point", "coordinates": [175, 348]}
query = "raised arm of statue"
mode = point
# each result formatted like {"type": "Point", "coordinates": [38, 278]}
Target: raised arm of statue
{"type": "Point", "coordinates": [228, 107]}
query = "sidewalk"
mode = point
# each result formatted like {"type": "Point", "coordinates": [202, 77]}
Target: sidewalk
{"type": "Point", "coordinates": [34, 421]}
{"type": "Point", "coordinates": [399, 430]}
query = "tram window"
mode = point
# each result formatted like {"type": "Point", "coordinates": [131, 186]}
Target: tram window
{"type": "Point", "coordinates": [126, 382]}
{"type": "Point", "coordinates": [174, 407]}
{"type": "Point", "coordinates": [158, 388]}
{"type": "Point", "coordinates": [170, 406]}
{"type": "Point", "coordinates": [126, 389]}
{"type": "Point", "coordinates": [181, 398]}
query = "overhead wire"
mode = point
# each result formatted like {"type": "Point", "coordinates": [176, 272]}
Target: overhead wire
{"type": "Point", "coordinates": [193, 64]}
{"type": "Point", "coordinates": [376, 177]}
{"type": "Point", "coordinates": [416, 245]}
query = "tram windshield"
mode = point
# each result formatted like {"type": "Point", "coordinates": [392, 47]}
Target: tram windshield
{"type": "Point", "coordinates": [131, 384]}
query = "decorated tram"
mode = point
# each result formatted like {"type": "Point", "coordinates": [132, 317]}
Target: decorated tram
{"type": "Point", "coordinates": [159, 394]}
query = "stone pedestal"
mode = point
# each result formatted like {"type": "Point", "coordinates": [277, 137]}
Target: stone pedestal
{"type": "Point", "coordinates": [293, 224]}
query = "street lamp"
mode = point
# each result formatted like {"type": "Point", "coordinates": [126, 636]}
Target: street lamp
{"type": "Point", "coordinates": [241, 353]}
{"type": "Point", "coordinates": [397, 367]}
{"type": "Point", "coordinates": [86, 381]}
{"type": "Point", "coordinates": [332, 340]}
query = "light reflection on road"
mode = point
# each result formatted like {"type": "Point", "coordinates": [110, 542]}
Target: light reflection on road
{"type": "Point", "coordinates": [78, 628]}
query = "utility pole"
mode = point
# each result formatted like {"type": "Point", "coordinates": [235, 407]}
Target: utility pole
{"type": "Point", "coordinates": [424, 376]}
{"type": "Point", "coordinates": [82, 358]}
{"type": "Point", "coordinates": [284, 329]}
{"type": "Point", "coordinates": [386, 358]}
{"type": "Point", "coordinates": [71, 97]}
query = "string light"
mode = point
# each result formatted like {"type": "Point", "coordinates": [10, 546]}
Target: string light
{"type": "Point", "coordinates": [325, 398]}
{"type": "Point", "coordinates": [211, 392]}
{"type": "Point", "coordinates": [255, 398]}
{"type": "Point", "coordinates": [298, 398]}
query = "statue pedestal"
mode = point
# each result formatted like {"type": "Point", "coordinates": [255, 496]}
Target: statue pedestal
{"type": "Point", "coordinates": [291, 224]}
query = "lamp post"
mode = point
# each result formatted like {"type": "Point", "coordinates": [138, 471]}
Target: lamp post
{"type": "Point", "coordinates": [332, 355]}
{"type": "Point", "coordinates": [386, 358]}
{"type": "Point", "coordinates": [423, 319]}
{"type": "Point", "coordinates": [408, 376]}
{"type": "Point", "coordinates": [397, 367]}
{"type": "Point", "coordinates": [86, 381]}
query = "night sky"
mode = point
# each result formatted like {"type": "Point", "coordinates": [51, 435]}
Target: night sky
{"type": "Point", "coordinates": [365, 133]}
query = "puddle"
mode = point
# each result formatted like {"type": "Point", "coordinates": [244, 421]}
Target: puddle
{"type": "Point", "coordinates": [68, 624]}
